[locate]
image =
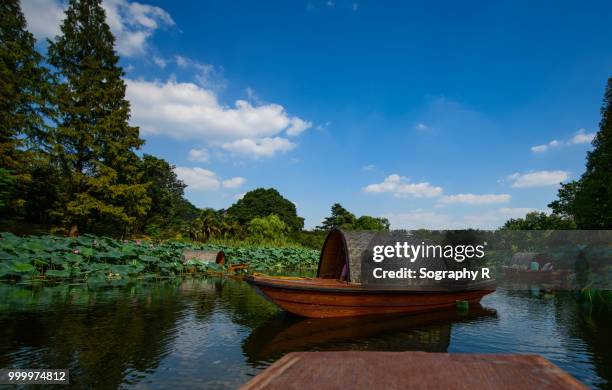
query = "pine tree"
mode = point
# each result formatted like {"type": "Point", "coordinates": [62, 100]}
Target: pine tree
{"type": "Point", "coordinates": [589, 199]}
{"type": "Point", "coordinates": [93, 142]}
{"type": "Point", "coordinates": [23, 102]}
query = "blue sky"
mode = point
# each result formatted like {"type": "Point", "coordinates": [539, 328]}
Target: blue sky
{"type": "Point", "coordinates": [433, 114]}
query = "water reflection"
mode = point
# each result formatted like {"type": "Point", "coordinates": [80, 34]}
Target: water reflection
{"type": "Point", "coordinates": [429, 332]}
{"type": "Point", "coordinates": [218, 333]}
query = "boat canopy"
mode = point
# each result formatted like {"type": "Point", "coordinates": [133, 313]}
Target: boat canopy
{"type": "Point", "coordinates": [354, 247]}
{"type": "Point", "coordinates": [344, 247]}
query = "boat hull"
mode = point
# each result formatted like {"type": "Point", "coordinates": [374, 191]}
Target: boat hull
{"type": "Point", "coordinates": [323, 301]}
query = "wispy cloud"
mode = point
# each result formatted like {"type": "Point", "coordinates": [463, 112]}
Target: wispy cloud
{"type": "Point", "coordinates": [537, 178]}
{"type": "Point", "coordinates": [259, 147]}
{"type": "Point", "coordinates": [400, 186]}
{"type": "Point", "coordinates": [200, 179]}
{"type": "Point", "coordinates": [580, 137]}
{"type": "Point", "coordinates": [199, 155]}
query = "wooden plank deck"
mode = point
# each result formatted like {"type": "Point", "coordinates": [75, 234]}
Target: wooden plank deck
{"type": "Point", "coordinates": [411, 370]}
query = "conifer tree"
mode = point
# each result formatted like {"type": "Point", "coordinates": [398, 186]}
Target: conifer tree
{"type": "Point", "coordinates": [93, 142]}
{"type": "Point", "coordinates": [23, 103]}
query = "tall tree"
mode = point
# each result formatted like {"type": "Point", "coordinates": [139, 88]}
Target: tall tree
{"type": "Point", "coordinates": [339, 217]}
{"type": "Point", "coordinates": [23, 100]}
{"type": "Point", "coordinates": [263, 202]}
{"type": "Point", "coordinates": [589, 200]}
{"type": "Point", "coordinates": [93, 143]}
{"type": "Point", "coordinates": [165, 190]}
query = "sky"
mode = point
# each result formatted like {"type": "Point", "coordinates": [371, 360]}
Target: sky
{"type": "Point", "coordinates": [432, 114]}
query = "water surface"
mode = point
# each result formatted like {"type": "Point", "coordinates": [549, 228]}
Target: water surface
{"type": "Point", "coordinates": [218, 333]}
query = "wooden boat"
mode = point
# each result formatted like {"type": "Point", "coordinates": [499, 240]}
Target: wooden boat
{"type": "Point", "coordinates": [327, 296]}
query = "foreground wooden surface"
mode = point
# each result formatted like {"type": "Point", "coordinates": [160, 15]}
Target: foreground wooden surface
{"type": "Point", "coordinates": [411, 370]}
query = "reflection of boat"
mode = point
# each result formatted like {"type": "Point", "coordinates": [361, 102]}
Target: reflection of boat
{"type": "Point", "coordinates": [428, 332]}
{"type": "Point", "coordinates": [328, 296]}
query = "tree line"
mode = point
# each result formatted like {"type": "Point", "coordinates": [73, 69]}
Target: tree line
{"type": "Point", "coordinates": [70, 161]}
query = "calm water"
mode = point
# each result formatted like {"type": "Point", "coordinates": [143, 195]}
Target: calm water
{"type": "Point", "coordinates": [218, 333]}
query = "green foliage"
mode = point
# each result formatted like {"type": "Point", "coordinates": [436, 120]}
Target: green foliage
{"type": "Point", "coordinates": [102, 258]}
{"type": "Point", "coordinates": [589, 200]}
{"type": "Point", "coordinates": [343, 219]}
{"type": "Point", "coordinates": [165, 191]}
{"type": "Point", "coordinates": [366, 222]}
{"type": "Point", "coordinates": [263, 202]}
{"type": "Point", "coordinates": [24, 85]}
{"type": "Point", "coordinates": [6, 187]}
{"type": "Point", "coordinates": [339, 217]}
{"type": "Point", "coordinates": [93, 143]}
{"type": "Point", "coordinates": [539, 221]}
{"type": "Point", "coordinates": [267, 229]}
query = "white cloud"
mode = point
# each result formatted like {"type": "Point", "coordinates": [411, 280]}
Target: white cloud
{"type": "Point", "coordinates": [43, 17]}
{"type": "Point", "coordinates": [234, 182]}
{"type": "Point", "coordinates": [199, 155]}
{"type": "Point", "coordinates": [421, 126]}
{"type": "Point", "coordinates": [198, 178]}
{"type": "Point", "coordinates": [160, 62]}
{"type": "Point", "coordinates": [369, 167]}
{"type": "Point", "coordinates": [400, 187]}
{"type": "Point", "coordinates": [259, 147]}
{"type": "Point", "coordinates": [537, 178]}
{"type": "Point", "coordinates": [189, 111]}
{"type": "Point", "coordinates": [543, 148]}
{"type": "Point", "coordinates": [580, 137]}
{"type": "Point", "coordinates": [201, 179]}
{"type": "Point", "coordinates": [132, 23]}
{"type": "Point", "coordinates": [475, 199]}
{"type": "Point", "coordinates": [297, 126]}
{"type": "Point", "coordinates": [206, 75]}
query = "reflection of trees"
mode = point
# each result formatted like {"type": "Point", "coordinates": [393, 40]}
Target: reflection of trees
{"type": "Point", "coordinates": [100, 335]}
{"type": "Point", "coordinates": [428, 332]}
{"type": "Point", "coordinates": [592, 325]}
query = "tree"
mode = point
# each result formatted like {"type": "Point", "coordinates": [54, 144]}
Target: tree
{"type": "Point", "coordinates": [164, 189]}
{"type": "Point", "coordinates": [23, 99]}
{"type": "Point", "coordinates": [93, 143]}
{"type": "Point", "coordinates": [263, 202]}
{"type": "Point", "coordinates": [344, 219]}
{"type": "Point", "coordinates": [367, 222]}
{"type": "Point", "coordinates": [539, 221]}
{"type": "Point", "coordinates": [267, 229]}
{"type": "Point", "coordinates": [339, 217]}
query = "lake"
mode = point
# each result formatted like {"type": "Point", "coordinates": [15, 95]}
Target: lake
{"type": "Point", "coordinates": [219, 333]}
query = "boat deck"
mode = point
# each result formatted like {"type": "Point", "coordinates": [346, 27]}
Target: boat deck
{"type": "Point", "coordinates": [411, 370]}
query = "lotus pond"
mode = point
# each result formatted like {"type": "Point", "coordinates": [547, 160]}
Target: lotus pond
{"type": "Point", "coordinates": [211, 332]}
{"type": "Point", "coordinates": [100, 259]}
